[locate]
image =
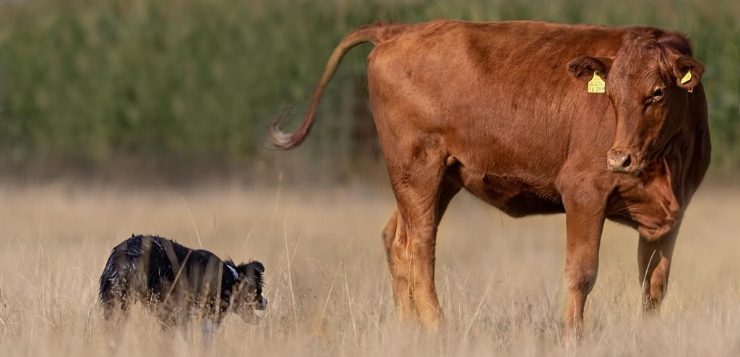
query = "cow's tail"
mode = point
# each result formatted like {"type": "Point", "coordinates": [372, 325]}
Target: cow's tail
{"type": "Point", "coordinates": [374, 33]}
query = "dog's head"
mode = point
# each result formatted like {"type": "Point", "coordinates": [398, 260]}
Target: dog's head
{"type": "Point", "coordinates": [247, 296]}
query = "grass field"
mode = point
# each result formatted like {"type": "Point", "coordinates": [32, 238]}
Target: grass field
{"type": "Point", "coordinates": [499, 279]}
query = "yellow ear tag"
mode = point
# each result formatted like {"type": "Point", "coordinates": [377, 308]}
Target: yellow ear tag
{"type": "Point", "coordinates": [686, 78]}
{"type": "Point", "coordinates": [596, 84]}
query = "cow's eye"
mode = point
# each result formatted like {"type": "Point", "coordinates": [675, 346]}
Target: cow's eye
{"type": "Point", "coordinates": [657, 94]}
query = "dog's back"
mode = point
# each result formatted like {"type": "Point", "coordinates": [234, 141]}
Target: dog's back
{"type": "Point", "coordinates": [175, 280]}
{"type": "Point", "coordinates": [139, 269]}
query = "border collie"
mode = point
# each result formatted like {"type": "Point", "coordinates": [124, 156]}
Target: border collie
{"type": "Point", "coordinates": [178, 283]}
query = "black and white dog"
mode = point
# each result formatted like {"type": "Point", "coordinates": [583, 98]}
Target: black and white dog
{"type": "Point", "coordinates": [178, 283]}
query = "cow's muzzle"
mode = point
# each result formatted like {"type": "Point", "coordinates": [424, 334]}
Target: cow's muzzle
{"type": "Point", "coordinates": [623, 161]}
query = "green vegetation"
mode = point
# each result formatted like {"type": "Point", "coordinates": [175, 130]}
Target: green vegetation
{"type": "Point", "coordinates": [186, 79]}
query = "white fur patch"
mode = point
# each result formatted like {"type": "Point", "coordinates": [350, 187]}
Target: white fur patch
{"type": "Point", "coordinates": [233, 272]}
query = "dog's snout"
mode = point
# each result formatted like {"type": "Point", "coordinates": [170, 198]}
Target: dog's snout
{"type": "Point", "coordinates": [263, 303]}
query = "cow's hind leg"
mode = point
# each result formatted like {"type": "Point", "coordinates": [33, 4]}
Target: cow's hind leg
{"type": "Point", "coordinates": [396, 242]}
{"type": "Point", "coordinates": [654, 260]}
{"type": "Point", "coordinates": [421, 196]}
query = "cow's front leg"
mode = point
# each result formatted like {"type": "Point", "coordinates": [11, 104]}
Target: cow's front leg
{"type": "Point", "coordinates": [584, 225]}
{"type": "Point", "coordinates": [654, 260]}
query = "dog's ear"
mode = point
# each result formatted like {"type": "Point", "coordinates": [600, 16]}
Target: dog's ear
{"type": "Point", "coordinates": [252, 272]}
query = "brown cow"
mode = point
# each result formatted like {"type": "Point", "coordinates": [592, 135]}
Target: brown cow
{"type": "Point", "coordinates": [513, 113]}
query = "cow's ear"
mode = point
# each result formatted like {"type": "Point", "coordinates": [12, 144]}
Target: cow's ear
{"type": "Point", "coordinates": [688, 72]}
{"type": "Point", "coordinates": [583, 68]}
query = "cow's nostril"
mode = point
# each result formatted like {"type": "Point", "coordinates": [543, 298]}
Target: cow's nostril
{"type": "Point", "coordinates": [619, 161]}
{"type": "Point", "coordinates": [626, 161]}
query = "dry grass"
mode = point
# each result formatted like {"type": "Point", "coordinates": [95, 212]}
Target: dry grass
{"type": "Point", "coordinates": [500, 279]}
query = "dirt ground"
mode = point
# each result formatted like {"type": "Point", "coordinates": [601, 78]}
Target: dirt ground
{"type": "Point", "coordinates": [500, 279]}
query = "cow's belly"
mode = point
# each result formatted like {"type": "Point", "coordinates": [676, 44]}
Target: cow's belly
{"type": "Point", "coordinates": [515, 195]}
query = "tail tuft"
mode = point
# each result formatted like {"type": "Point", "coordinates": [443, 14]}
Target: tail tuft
{"type": "Point", "coordinates": [281, 140]}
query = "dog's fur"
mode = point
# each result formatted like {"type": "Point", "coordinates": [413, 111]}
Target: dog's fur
{"type": "Point", "coordinates": [178, 283]}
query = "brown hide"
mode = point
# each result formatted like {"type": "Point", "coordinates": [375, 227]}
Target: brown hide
{"type": "Point", "coordinates": [503, 110]}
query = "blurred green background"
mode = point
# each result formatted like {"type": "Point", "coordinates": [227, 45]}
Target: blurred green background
{"type": "Point", "coordinates": [189, 86]}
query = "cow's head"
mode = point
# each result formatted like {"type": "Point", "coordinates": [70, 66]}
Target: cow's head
{"type": "Point", "coordinates": [247, 297]}
{"type": "Point", "coordinates": [648, 83]}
